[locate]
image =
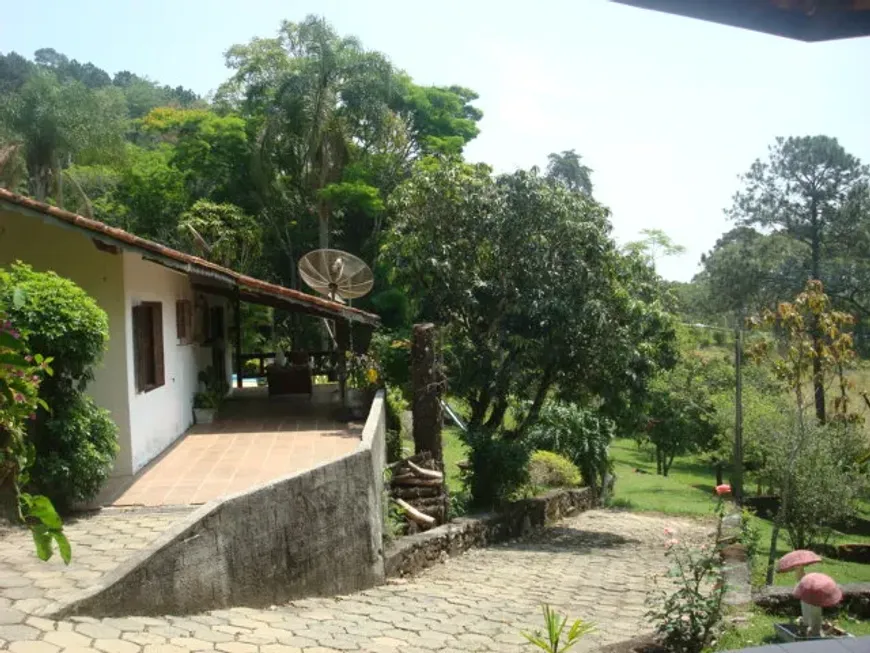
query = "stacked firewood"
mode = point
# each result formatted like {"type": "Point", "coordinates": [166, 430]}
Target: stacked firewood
{"type": "Point", "coordinates": [417, 488]}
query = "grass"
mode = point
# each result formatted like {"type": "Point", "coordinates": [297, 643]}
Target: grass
{"type": "Point", "coordinates": [688, 490]}
{"type": "Point", "coordinates": [758, 630]}
{"type": "Point", "coordinates": [454, 453]}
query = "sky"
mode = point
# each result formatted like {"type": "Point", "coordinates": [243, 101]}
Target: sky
{"type": "Point", "coordinates": [667, 111]}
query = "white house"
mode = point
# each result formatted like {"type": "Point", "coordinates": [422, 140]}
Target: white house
{"type": "Point", "coordinates": [170, 317]}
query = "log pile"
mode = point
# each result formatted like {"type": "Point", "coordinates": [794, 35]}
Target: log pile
{"type": "Point", "coordinates": [417, 488]}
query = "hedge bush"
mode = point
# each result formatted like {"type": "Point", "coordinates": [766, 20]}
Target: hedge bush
{"type": "Point", "coordinates": [76, 453]}
{"type": "Point", "coordinates": [498, 467]}
{"type": "Point", "coordinates": [549, 469]}
{"type": "Point", "coordinates": [75, 441]}
{"type": "Point", "coordinates": [581, 435]}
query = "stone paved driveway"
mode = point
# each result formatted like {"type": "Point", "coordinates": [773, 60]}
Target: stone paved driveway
{"type": "Point", "coordinates": [597, 565]}
{"type": "Point", "coordinates": [100, 541]}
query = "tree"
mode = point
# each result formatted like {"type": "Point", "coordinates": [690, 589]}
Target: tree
{"type": "Point", "coordinates": [747, 271]}
{"type": "Point", "coordinates": [57, 121]}
{"type": "Point", "coordinates": [681, 417]}
{"type": "Point", "coordinates": [566, 318]}
{"type": "Point", "coordinates": [566, 169]}
{"type": "Point", "coordinates": [805, 191]}
{"type": "Point", "coordinates": [222, 233]}
{"type": "Point", "coordinates": [814, 343]}
{"type": "Point", "coordinates": [655, 244]}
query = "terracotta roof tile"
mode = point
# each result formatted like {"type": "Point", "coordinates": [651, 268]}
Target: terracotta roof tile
{"type": "Point", "coordinates": [126, 239]}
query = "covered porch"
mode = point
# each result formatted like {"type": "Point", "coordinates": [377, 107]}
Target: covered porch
{"type": "Point", "coordinates": [254, 439]}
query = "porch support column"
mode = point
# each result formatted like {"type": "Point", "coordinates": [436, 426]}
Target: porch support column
{"type": "Point", "coordinates": [239, 370]}
{"type": "Point", "coordinates": [342, 340]}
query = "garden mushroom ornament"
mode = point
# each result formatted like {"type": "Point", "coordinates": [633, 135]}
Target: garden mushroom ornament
{"type": "Point", "coordinates": [796, 561]}
{"type": "Point", "coordinates": [817, 591]}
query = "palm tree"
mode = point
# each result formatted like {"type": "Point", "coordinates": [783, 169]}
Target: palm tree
{"type": "Point", "coordinates": [566, 169]}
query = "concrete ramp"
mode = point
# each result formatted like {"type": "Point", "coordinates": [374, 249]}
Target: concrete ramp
{"type": "Point", "coordinates": [313, 533]}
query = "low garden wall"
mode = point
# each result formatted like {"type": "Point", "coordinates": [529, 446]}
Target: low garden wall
{"type": "Point", "coordinates": [317, 532]}
{"type": "Point", "coordinates": [413, 553]}
{"type": "Point", "coordinates": [779, 599]}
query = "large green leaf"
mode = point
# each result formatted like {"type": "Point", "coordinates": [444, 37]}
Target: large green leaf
{"type": "Point", "coordinates": [63, 546]}
{"type": "Point", "coordinates": [42, 539]}
{"type": "Point", "coordinates": [41, 508]}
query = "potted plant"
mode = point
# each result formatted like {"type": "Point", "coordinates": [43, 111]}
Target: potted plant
{"type": "Point", "coordinates": [205, 405]}
{"type": "Point", "coordinates": [363, 380]}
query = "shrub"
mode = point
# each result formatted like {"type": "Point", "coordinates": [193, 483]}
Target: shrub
{"type": "Point", "coordinates": [580, 435]}
{"type": "Point", "coordinates": [75, 462]}
{"type": "Point", "coordinates": [64, 322]}
{"type": "Point", "coordinates": [686, 618]}
{"type": "Point", "coordinates": [395, 405]}
{"type": "Point", "coordinates": [548, 469]}
{"type": "Point", "coordinates": [498, 467]}
{"type": "Point", "coordinates": [251, 368]}
{"type": "Point", "coordinates": [820, 469]}
{"type": "Point", "coordinates": [75, 442]}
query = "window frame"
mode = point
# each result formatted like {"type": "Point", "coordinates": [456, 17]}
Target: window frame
{"type": "Point", "coordinates": [149, 365]}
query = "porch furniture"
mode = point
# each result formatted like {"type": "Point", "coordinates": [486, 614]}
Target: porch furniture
{"type": "Point", "coordinates": [293, 378]}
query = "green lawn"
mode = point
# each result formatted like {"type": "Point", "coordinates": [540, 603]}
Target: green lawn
{"type": "Point", "coordinates": [454, 453]}
{"type": "Point", "coordinates": [688, 490]}
{"type": "Point", "coordinates": [758, 631]}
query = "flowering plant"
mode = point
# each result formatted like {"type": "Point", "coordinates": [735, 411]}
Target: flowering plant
{"type": "Point", "coordinates": [686, 617]}
{"type": "Point", "coordinates": [20, 376]}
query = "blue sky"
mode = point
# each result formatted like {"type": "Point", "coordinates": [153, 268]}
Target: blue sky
{"type": "Point", "coordinates": [666, 110]}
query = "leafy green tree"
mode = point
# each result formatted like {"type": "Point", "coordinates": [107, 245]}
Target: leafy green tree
{"type": "Point", "coordinates": [57, 121]}
{"type": "Point", "coordinates": [747, 271]}
{"type": "Point", "coordinates": [655, 244]}
{"type": "Point", "coordinates": [222, 233]}
{"type": "Point", "coordinates": [211, 151]}
{"type": "Point", "coordinates": [807, 190]}
{"type": "Point", "coordinates": [681, 417]}
{"type": "Point", "coordinates": [566, 168]}
{"type": "Point", "coordinates": [564, 318]}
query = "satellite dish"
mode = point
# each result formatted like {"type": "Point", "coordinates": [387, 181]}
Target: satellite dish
{"type": "Point", "coordinates": [336, 274]}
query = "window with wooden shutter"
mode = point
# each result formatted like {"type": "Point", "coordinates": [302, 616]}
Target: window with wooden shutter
{"type": "Point", "coordinates": [184, 321]}
{"type": "Point", "coordinates": [148, 346]}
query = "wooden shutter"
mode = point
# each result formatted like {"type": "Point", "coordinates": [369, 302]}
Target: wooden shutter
{"type": "Point", "coordinates": [140, 347]}
{"type": "Point", "coordinates": [184, 320]}
{"type": "Point", "coordinates": [157, 326]}
{"type": "Point", "coordinates": [180, 323]}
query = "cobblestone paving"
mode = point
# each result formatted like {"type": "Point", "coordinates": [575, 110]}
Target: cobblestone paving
{"type": "Point", "coordinates": [597, 566]}
{"type": "Point", "coordinates": [100, 541]}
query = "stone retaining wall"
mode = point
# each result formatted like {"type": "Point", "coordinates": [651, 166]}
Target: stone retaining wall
{"type": "Point", "coordinates": [317, 532]}
{"type": "Point", "coordinates": [778, 599]}
{"type": "Point", "coordinates": [409, 555]}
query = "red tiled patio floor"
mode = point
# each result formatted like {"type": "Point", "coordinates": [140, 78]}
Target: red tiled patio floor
{"type": "Point", "coordinates": [254, 440]}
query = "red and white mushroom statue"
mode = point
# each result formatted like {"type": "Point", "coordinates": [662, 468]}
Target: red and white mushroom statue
{"type": "Point", "coordinates": [796, 561]}
{"type": "Point", "coordinates": [816, 591]}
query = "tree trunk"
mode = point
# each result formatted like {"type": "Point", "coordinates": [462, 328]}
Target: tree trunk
{"type": "Point", "coordinates": [658, 460]}
{"type": "Point", "coordinates": [427, 386]}
{"type": "Point", "coordinates": [816, 263]}
{"type": "Point", "coordinates": [323, 224]}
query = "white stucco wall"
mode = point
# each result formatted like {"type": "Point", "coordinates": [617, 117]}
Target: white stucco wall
{"type": "Point", "coordinates": [160, 416]}
{"type": "Point", "coordinates": [48, 247]}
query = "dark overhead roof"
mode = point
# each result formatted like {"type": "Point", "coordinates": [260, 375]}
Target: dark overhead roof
{"type": "Point", "coordinates": [248, 288]}
{"type": "Point", "coordinates": [805, 20]}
